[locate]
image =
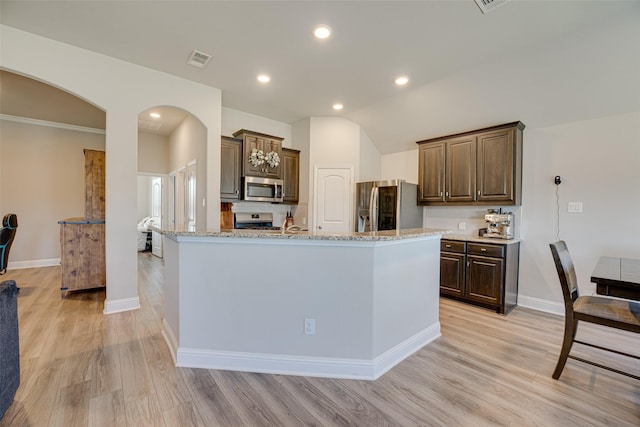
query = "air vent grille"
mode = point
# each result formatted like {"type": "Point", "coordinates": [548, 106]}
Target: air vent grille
{"type": "Point", "coordinates": [487, 6]}
{"type": "Point", "coordinates": [198, 59]}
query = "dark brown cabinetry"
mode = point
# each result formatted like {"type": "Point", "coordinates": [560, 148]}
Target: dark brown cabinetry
{"type": "Point", "coordinates": [472, 168]}
{"type": "Point", "coordinates": [230, 168]}
{"type": "Point", "coordinates": [485, 274]}
{"type": "Point", "coordinates": [260, 142]}
{"type": "Point", "coordinates": [291, 175]}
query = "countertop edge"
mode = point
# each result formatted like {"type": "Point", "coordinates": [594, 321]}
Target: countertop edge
{"type": "Point", "coordinates": [279, 235]}
{"type": "Point", "coordinates": [477, 239]}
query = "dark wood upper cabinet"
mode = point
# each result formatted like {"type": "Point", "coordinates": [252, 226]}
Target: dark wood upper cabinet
{"type": "Point", "coordinates": [431, 174]}
{"type": "Point", "coordinates": [261, 142]}
{"type": "Point", "coordinates": [230, 168]}
{"type": "Point", "coordinates": [291, 175]}
{"type": "Point", "coordinates": [480, 167]}
{"type": "Point", "coordinates": [461, 169]}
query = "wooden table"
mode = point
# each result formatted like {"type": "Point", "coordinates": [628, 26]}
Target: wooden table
{"type": "Point", "coordinates": [618, 277]}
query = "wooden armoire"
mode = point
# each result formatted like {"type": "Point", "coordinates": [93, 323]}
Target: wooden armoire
{"type": "Point", "coordinates": [82, 256]}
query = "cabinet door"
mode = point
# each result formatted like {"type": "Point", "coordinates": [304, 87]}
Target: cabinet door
{"type": "Point", "coordinates": [431, 171]}
{"type": "Point", "coordinates": [252, 142]}
{"type": "Point", "coordinates": [452, 273]}
{"type": "Point", "coordinates": [230, 168]}
{"type": "Point", "coordinates": [461, 169]}
{"type": "Point", "coordinates": [484, 279]}
{"type": "Point", "coordinates": [274, 145]}
{"type": "Point", "coordinates": [290, 175]}
{"type": "Point", "coordinates": [495, 179]}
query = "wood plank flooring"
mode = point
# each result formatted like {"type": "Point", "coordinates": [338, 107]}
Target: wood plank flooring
{"type": "Point", "coordinates": [82, 368]}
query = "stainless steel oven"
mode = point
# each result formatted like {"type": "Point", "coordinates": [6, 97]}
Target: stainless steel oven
{"type": "Point", "coordinates": [262, 189]}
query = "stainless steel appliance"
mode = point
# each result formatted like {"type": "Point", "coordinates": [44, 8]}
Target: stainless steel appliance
{"type": "Point", "coordinates": [254, 221]}
{"type": "Point", "coordinates": [499, 225]}
{"type": "Point", "coordinates": [262, 189]}
{"type": "Point", "coordinates": [387, 205]}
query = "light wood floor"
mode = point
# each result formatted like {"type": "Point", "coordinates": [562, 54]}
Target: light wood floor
{"type": "Point", "coordinates": [80, 367]}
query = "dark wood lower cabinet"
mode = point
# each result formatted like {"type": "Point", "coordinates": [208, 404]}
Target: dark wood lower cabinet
{"type": "Point", "coordinates": [484, 274]}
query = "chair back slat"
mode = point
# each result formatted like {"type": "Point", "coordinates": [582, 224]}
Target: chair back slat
{"type": "Point", "coordinates": [566, 271]}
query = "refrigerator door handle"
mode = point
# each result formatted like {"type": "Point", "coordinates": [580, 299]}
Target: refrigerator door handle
{"type": "Point", "coordinates": [373, 209]}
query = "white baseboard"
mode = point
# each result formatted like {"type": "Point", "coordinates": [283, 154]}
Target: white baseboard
{"type": "Point", "coordinates": [541, 305]}
{"type": "Point", "coordinates": [360, 369]}
{"type": "Point", "coordinates": [170, 339]}
{"type": "Point", "coordinates": [35, 263]}
{"type": "Point", "coordinates": [119, 305]}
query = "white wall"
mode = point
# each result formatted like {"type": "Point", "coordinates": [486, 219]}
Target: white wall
{"type": "Point", "coordinates": [599, 162]}
{"type": "Point", "coordinates": [153, 153]}
{"type": "Point", "coordinates": [42, 181]}
{"type": "Point", "coordinates": [234, 120]}
{"type": "Point", "coordinates": [370, 160]}
{"type": "Point", "coordinates": [402, 165]}
{"type": "Point", "coordinates": [123, 90]}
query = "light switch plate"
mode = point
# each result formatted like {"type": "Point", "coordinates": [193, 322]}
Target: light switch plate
{"type": "Point", "coordinates": [575, 207]}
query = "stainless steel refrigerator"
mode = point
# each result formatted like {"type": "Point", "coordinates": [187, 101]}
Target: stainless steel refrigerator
{"type": "Point", "coordinates": [387, 205]}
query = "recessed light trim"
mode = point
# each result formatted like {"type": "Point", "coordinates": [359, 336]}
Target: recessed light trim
{"type": "Point", "coordinates": [402, 80]}
{"type": "Point", "coordinates": [264, 78]}
{"type": "Point", "coordinates": [155, 115]}
{"type": "Point", "coordinates": [338, 106]}
{"type": "Point", "coordinates": [322, 31]}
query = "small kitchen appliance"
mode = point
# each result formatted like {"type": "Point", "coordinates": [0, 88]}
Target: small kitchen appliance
{"type": "Point", "coordinates": [254, 221]}
{"type": "Point", "coordinates": [387, 205]}
{"type": "Point", "coordinates": [499, 225]}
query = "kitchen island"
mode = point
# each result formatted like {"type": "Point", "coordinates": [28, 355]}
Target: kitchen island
{"type": "Point", "coordinates": [349, 305]}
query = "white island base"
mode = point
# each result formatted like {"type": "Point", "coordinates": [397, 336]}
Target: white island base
{"type": "Point", "coordinates": [241, 301]}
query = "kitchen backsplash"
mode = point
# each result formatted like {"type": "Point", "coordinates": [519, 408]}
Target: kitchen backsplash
{"type": "Point", "coordinates": [279, 211]}
{"type": "Point", "coordinates": [471, 218]}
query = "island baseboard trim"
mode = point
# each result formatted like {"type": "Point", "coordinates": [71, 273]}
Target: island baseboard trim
{"type": "Point", "coordinates": [170, 339]}
{"type": "Point", "coordinates": [359, 369]}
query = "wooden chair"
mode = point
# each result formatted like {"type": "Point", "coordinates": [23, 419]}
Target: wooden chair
{"type": "Point", "coordinates": [7, 233]}
{"type": "Point", "coordinates": [615, 313]}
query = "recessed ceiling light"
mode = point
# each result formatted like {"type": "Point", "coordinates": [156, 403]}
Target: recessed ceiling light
{"type": "Point", "coordinates": [322, 31]}
{"type": "Point", "coordinates": [263, 78]}
{"type": "Point", "coordinates": [402, 80]}
{"type": "Point", "coordinates": [338, 106]}
{"type": "Point", "coordinates": [155, 115]}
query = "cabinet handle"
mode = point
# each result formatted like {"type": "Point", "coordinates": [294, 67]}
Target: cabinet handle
{"type": "Point", "coordinates": [447, 194]}
{"type": "Point", "coordinates": [478, 192]}
{"type": "Point", "coordinates": [447, 246]}
{"type": "Point", "coordinates": [483, 250]}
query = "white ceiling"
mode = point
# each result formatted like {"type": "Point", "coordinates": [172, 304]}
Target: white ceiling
{"type": "Point", "coordinates": [433, 42]}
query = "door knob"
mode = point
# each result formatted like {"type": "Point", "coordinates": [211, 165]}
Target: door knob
{"type": "Point", "coordinates": [319, 227]}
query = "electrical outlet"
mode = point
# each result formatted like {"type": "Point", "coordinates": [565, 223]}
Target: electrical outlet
{"type": "Point", "coordinates": [304, 220]}
{"type": "Point", "coordinates": [574, 207]}
{"type": "Point", "coordinates": [309, 326]}
{"type": "Point", "coordinates": [462, 226]}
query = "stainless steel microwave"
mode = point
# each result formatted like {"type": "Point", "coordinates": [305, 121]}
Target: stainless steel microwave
{"type": "Point", "coordinates": [262, 189]}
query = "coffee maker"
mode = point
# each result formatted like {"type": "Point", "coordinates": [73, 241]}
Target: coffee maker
{"type": "Point", "coordinates": [499, 225]}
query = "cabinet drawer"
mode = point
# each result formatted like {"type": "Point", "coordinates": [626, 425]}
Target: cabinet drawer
{"type": "Point", "coordinates": [452, 246]}
{"type": "Point", "coordinates": [496, 251]}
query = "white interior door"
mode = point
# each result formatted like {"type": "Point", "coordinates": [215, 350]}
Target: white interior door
{"type": "Point", "coordinates": [156, 215]}
{"type": "Point", "coordinates": [190, 195]}
{"type": "Point", "coordinates": [333, 196]}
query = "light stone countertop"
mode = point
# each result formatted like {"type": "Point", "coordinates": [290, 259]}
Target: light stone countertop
{"type": "Point", "coordinates": [477, 239]}
{"type": "Point", "coordinates": [410, 233]}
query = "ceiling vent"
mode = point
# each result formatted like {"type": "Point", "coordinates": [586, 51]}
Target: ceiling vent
{"type": "Point", "coordinates": [198, 59]}
{"type": "Point", "coordinates": [487, 6]}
